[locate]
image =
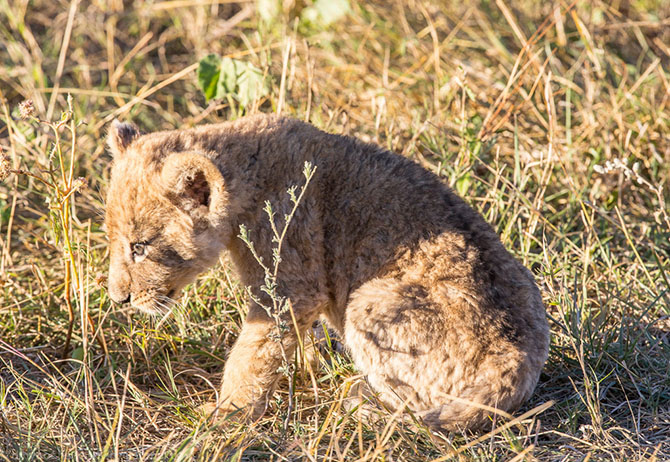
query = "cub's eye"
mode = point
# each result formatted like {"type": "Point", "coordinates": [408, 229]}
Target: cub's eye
{"type": "Point", "coordinates": [139, 249]}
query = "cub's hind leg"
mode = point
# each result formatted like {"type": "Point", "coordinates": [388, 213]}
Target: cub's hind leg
{"type": "Point", "coordinates": [435, 351]}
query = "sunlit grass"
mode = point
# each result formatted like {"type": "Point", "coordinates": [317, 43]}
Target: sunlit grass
{"type": "Point", "coordinates": [518, 106]}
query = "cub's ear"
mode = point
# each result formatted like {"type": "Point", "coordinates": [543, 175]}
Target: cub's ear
{"type": "Point", "coordinates": [194, 185]}
{"type": "Point", "coordinates": [120, 136]}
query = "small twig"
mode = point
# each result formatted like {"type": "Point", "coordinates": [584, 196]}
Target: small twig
{"type": "Point", "coordinates": [280, 305]}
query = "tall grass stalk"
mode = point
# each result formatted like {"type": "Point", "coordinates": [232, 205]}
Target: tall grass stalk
{"type": "Point", "coordinates": [57, 176]}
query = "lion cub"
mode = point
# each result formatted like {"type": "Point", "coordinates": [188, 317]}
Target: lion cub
{"type": "Point", "coordinates": [434, 310]}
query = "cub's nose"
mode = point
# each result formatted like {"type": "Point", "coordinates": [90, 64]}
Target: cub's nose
{"type": "Point", "coordinates": [118, 291]}
{"type": "Point", "coordinates": [117, 296]}
{"type": "Point", "coordinates": [119, 301]}
{"type": "Point", "coordinates": [118, 282]}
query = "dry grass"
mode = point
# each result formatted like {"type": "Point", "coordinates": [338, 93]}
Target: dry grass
{"type": "Point", "coordinates": [513, 103]}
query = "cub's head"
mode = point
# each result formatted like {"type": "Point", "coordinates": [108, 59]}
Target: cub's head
{"type": "Point", "coordinates": [165, 218]}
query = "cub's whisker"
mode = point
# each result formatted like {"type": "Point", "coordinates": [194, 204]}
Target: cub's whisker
{"type": "Point", "coordinates": [166, 307]}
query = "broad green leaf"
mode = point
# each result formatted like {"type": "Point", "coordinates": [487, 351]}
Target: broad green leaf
{"type": "Point", "coordinates": [250, 83]}
{"type": "Point", "coordinates": [221, 78]}
{"type": "Point", "coordinates": [209, 69]}
{"type": "Point", "coordinates": [241, 80]}
{"type": "Point", "coordinates": [227, 79]}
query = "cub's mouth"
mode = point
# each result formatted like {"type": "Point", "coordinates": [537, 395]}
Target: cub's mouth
{"type": "Point", "coordinates": [154, 302]}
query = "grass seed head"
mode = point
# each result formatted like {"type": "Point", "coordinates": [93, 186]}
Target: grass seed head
{"type": "Point", "coordinates": [101, 280]}
{"type": "Point", "coordinates": [79, 183]}
{"type": "Point", "coordinates": [27, 109]}
{"type": "Point", "coordinates": [5, 167]}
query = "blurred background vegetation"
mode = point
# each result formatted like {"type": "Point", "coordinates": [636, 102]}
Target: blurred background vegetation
{"type": "Point", "coordinates": [550, 117]}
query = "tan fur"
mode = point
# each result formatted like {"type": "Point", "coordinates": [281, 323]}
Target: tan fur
{"type": "Point", "coordinates": [433, 309]}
